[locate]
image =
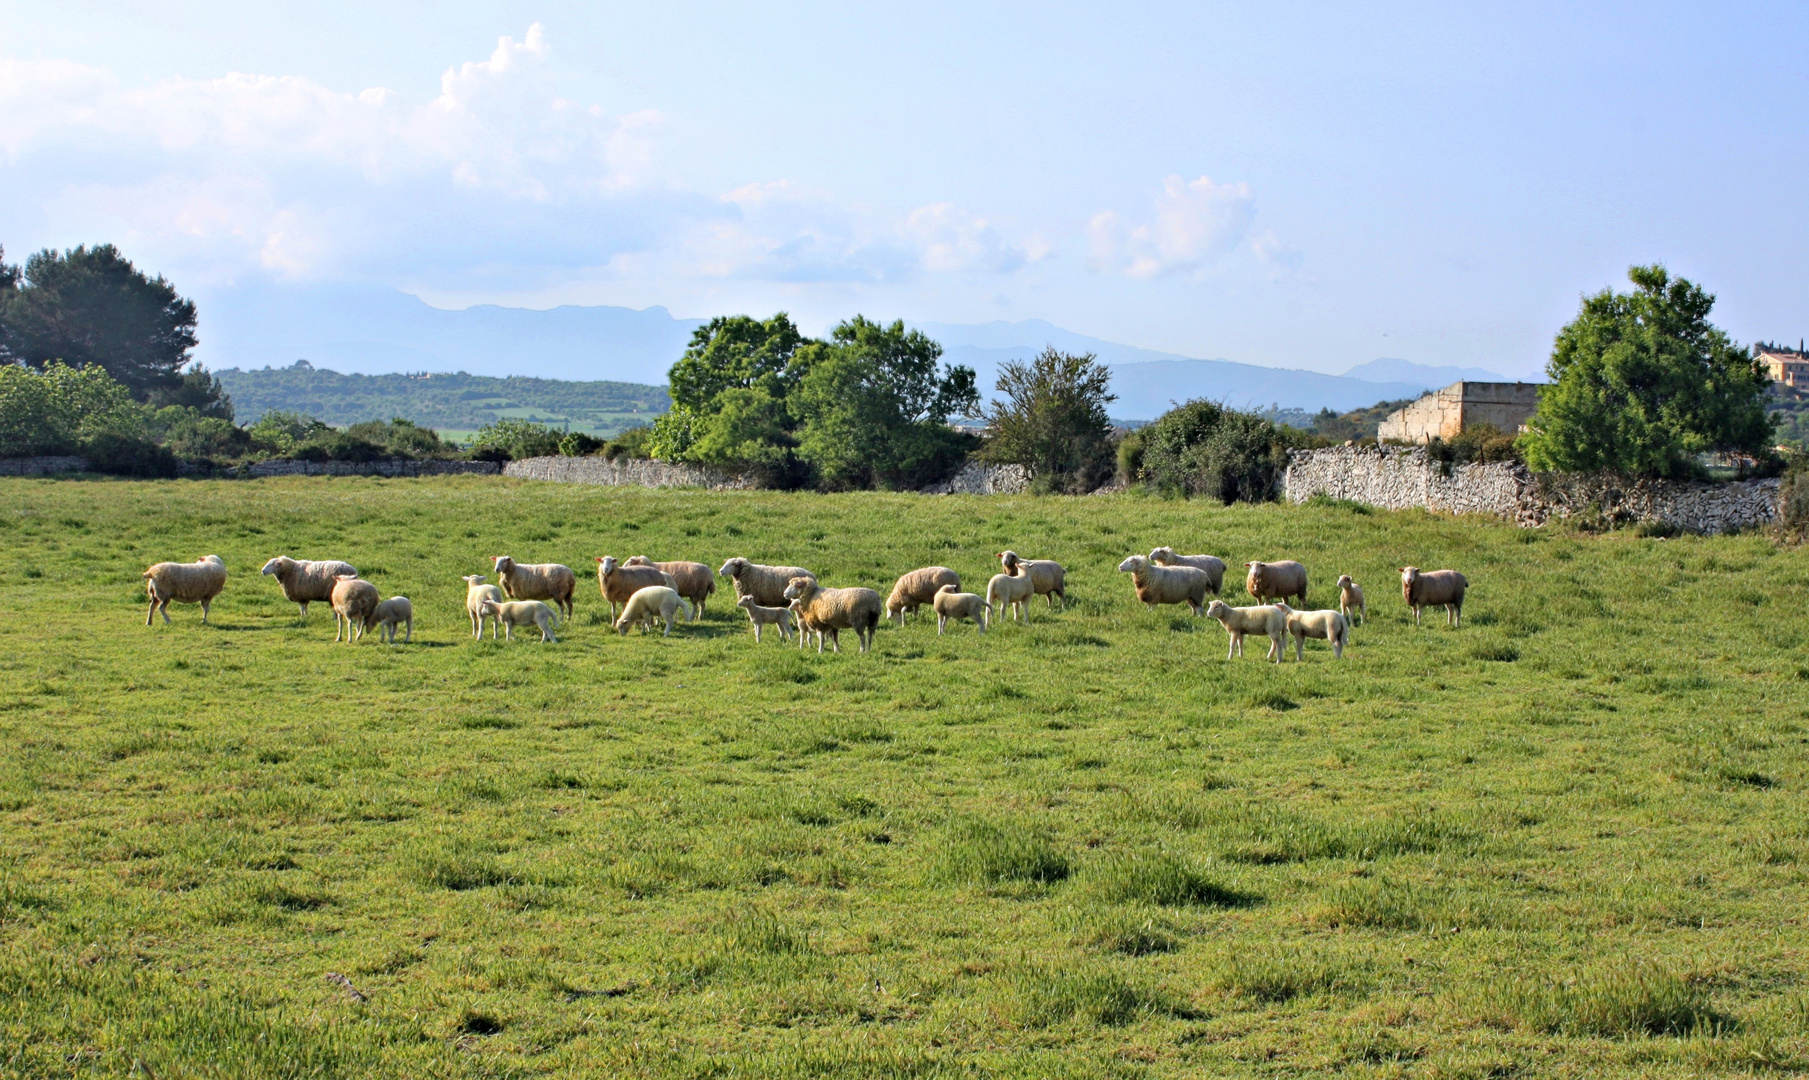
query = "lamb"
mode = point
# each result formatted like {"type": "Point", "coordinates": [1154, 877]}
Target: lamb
{"type": "Point", "coordinates": [305, 581]}
{"type": "Point", "coordinates": [522, 613]}
{"type": "Point", "coordinates": [917, 588]}
{"type": "Point", "coordinates": [648, 605]}
{"type": "Point", "coordinates": [766, 584]}
{"type": "Point", "coordinates": [1270, 619]}
{"type": "Point", "coordinates": [949, 604]}
{"type": "Point", "coordinates": [190, 583]}
{"type": "Point", "coordinates": [766, 616]}
{"type": "Point", "coordinates": [1211, 564]}
{"type": "Point", "coordinates": [1168, 584]}
{"type": "Point", "coordinates": [1350, 599]}
{"type": "Point", "coordinates": [833, 610]}
{"type": "Point", "coordinates": [1325, 625]}
{"type": "Point", "coordinates": [1276, 580]}
{"type": "Point", "coordinates": [619, 583]}
{"type": "Point", "coordinates": [693, 580]}
{"type": "Point", "coordinates": [1013, 590]}
{"type": "Point", "coordinates": [802, 618]}
{"type": "Point", "coordinates": [476, 592]}
{"type": "Point", "coordinates": [1048, 578]}
{"type": "Point", "coordinates": [538, 581]}
{"type": "Point", "coordinates": [388, 614]}
{"type": "Point", "coordinates": [354, 602]}
{"type": "Point", "coordinates": [1422, 590]}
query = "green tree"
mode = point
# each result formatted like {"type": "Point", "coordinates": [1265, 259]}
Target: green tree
{"type": "Point", "coordinates": [728, 394]}
{"type": "Point", "coordinates": [1204, 448]}
{"type": "Point", "coordinates": [91, 306]}
{"type": "Point", "coordinates": [1642, 383]}
{"type": "Point", "coordinates": [62, 409]}
{"type": "Point", "coordinates": [1053, 421]}
{"type": "Point", "coordinates": [515, 439]}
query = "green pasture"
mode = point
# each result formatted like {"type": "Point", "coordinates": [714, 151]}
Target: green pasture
{"type": "Point", "coordinates": [1567, 839]}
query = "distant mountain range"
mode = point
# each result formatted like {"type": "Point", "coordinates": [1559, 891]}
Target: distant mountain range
{"type": "Point", "coordinates": [374, 330]}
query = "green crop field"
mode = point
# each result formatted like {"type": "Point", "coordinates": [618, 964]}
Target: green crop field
{"type": "Point", "coordinates": [1567, 839]}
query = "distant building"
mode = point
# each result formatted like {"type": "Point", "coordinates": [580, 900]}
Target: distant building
{"type": "Point", "coordinates": [1787, 366]}
{"type": "Point", "coordinates": [1443, 414]}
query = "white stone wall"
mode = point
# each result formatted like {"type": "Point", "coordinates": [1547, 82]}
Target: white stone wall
{"type": "Point", "coordinates": [979, 478]}
{"type": "Point", "coordinates": [390, 467]}
{"type": "Point", "coordinates": [632, 472]}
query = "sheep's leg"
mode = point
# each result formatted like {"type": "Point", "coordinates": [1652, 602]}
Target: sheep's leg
{"type": "Point", "coordinates": [152, 612]}
{"type": "Point", "coordinates": [941, 624]}
{"type": "Point", "coordinates": [509, 632]}
{"type": "Point", "coordinates": [409, 638]}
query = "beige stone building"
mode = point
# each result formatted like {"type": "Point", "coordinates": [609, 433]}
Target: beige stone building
{"type": "Point", "coordinates": [1787, 366]}
{"type": "Point", "coordinates": [1443, 414]}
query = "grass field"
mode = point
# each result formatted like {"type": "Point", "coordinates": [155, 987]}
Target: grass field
{"type": "Point", "coordinates": [1569, 838]}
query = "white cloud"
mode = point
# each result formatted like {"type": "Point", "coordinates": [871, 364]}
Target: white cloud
{"type": "Point", "coordinates": [951, 239]}
{"type": "Point", "coordinates": [1197, 223]}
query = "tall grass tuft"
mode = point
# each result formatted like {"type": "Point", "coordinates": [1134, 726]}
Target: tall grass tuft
{"type": "Point", "coordinates": [1275, 976]}
{"type": "Point", "coordinates": [1607, 1002]}
{"type": "Point", "coordinates": [1401, 905]}
{"type": "Point", "coordinates": [1047, 996]}
{"type": "Point", "coordinates": [975, 851]}
{"type": "Point", "coordinates": [1162, 879]}
{"type": "Point", "coordinates": [750, 930]}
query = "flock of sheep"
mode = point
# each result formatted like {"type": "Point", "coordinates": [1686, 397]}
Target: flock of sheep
{"type": "Point", "coordinates": [789, 598]}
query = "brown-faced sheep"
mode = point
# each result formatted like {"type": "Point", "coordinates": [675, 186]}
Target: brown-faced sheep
{"type": "Point", "coordinates": [523, 613]}
{"type": "Point", "coordinates": [618, 582]}
{"type": "Point", "coordinates": [189, 583]}
{"type": "Point", "coordinates": [388, 615]}
{"type": "Point", "coordinates": [476, 592]}
{"type": "Point", "coordinates": [1350, 599]}
{"type": "Point", "coordinates": [693, 580]}
{"type": "Point", "coordinates": [1270, 619]}
{"type": "Point", "coordinates": [1424, 589]}
{"type": "Point", "coordinates": [1167, 584]}
{"type": "Point", "coordinates": [949, 604]}
{"type": "Point", "coordinates": [1010, 590]}
{"type": "Point", "coordinates": [766, 584]}
{"type": "Point", "coordinates": [354, 601]}
{"type": "Point", "coordinates": [1276, 580]}
{"type": "Point", "coordinates": [833, 610]}
{"type": "Point", "coordinates": [1047, 578]}
{"type": "Point", "coordinates": [307, 580]}
{"type": "Point", "coordinates": [917, 588]}
{"type": "Point", "coordinates": [648, 606]}
{"type": "Point", "coordinates": [1211, 564]}
{"type": "Point", "coordinates": [766, 616]}
{"type": "Point", "coordinates": [538, 581]}
{"type": "Point", "coordinates": [1325, 625]}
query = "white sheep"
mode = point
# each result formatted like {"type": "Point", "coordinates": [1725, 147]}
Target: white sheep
{"type": "Point", "coordinates": [522, 613]}
{"type": "Point", "coordinates": [1270, 619]}
{"type": "Point", "coordinates": [1211, 564]}
{"type": "Point", "coordinates": [949, 604]}
{"type": "Point", "coordinates": [1047, 578]}
{"type": "Point", "coordinates": [1325, 625]}
{"type": "Point", "coordinates": [388, 615]}
{"type": "Point", "coordinates": [1424, 589]}
{"type": "Point", "coordinates": [537, 581]}
{"type": "Point", "coordinates": [1276, 580]}
{"type": "Point", "coordinates": [476, 592]}
{"type": "Point", "coordinates": [693, 580]}
{"type": "Point", "coordinates": [833, 610]}
{"type": "Point", "coordinates": [354, 600]}
{"type": "Point", "coordinates": [649, 605]}
{"type": "Point", "coordinates": [766, 584]}
{"type": "Point", "coordinates": [766, 616]}
{"type": "Point", "coordinates": [1167, 584]}
{"type": "Point", "coordinates": [189, 583]}
{"type": "Point", "coordinates": [1013, 590]}
{"type": "Point", "coordinates": [917, 588]}
{"type": "Point", "coordinates": [1350, 599]}
{"type": "Point", "coordinates": [618, 581]}
{"type": "Point", "coordinates": [307, 580]}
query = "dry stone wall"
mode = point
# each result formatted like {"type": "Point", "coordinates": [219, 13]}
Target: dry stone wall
{"type": "Point", "coordinates": [42, 466]}
{"type": "Point", "coordinates": [639, 472]}
{"type": "Point", "coordinates": [391, 467]}
{"type": "Point", "coordinates": [979, 478]}
{"type": "Point", "coordinates": [1398, 478]}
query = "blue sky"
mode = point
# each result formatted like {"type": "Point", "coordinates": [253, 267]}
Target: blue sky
{"type": "Point", "coordinates": [1293, 185]}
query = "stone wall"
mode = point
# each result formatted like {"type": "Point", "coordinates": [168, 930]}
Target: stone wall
{"type": "Point", "coordinates": [979, 478]}
{"type": "Point", "coordinates": [391, 467]}
{"type": "Point", "coordinates": [632, 472]}
{"type": "Point", "coordinates": [1444, 414]}
{"type": "Point", "coordinates": [1398, 478]}
{"type": "Point", "coordinates": [40, 466]}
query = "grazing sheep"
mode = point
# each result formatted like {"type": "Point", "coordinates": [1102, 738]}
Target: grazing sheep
{"type": "Point", "coordinates": [833, 610]}
{"type": "Point", "coordinates": [1211, 564]}
{"type": "Point", "coordinates": [522, 613]}
{"type": "Point", "coordinates": [1270, 619]}
{"type": "Point", "coordinates": [949, 604]}
{"type": "Point", "coordinates": [649, 605]}
{"type": "Point", "coordinates": [387, 615]}
{"type": "Point", "coordinates": [1276, 580]}
{"type": "Point", "coordinates": [1048, 578]}
{"type": "Point", "coordinates": [191, 583]}
{"type": "Point", "coordinates": [1325, 625]}
{"type": "Point", "coordinates": [766, 616]}
{"type": "Point", "coordinates": [693, 580]}
{"type": "Point", "coordinates": [618, 582]}
{"type": "Point", "coordinates": [1168, 584]}
{"type": "Point", "coordinates": [766, 584]}
{"type": "Point", "coordinates": [1422, 590]}
{"type": "Point", "coordinates": [1350, 599]}
{"type": "Point", "coordinates": [476, 592]}
{"type": "Point", "coordinates": [305, 581]}
{"type": "Point", "coordinates": [1013, 590]}
{"type": "Point", "coordinates": [917, 588]}
{"type": "Point", "coordinates": [538, 581]}
{"type": "Point", "coordinates": [354, 601]}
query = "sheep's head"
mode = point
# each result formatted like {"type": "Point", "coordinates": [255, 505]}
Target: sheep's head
{"type": "Point", "coordinates": [799, 588]}
{"type": "Point", "coordinates": [950, 589]}
{"type": "Point", "coordinates": [606, 566]}
{"type": "Point", "coordinates": [1344, 581]}
{"type": "Point", "coordinates": [1409, 575]}
{"type": "Point", "coordinates": [745, 602]}
{"type": "Point", "coordinates": [489, 607]}
{"type": "Point", "coordinates": [1162, 555]}
{"type": "Point", "coordinates": [1133, 564]}
{"type": "Point", "coordinates": [1009, 559]}
{"type": "Point", "coordinates": [213, 559]}
{"type": "Point", "coordinates": [1218, 609]}
{"type": "Point", "coordinates": [472, 579]}
{"type": "Point", "coordinates": [504, 564]}
{"type": "Point", "coordinates": [278, 567]}
{"type": "Point", "coordinates": [1256, 573]}
{"type": "Point", "coordinates": [638, 560]}
{"type": "Point", "coordinates": [733, 568]}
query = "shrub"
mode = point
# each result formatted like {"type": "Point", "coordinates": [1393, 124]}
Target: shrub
{"type": "Point", "coordinates": [1054, 422]}
{"type": "Point", "coordinates": [125, 455]}
{"type": "Point", "coordinates": [516, 439]}
{"type": "Point", "coordinates": [578, 444]}
{"type": "Point", "coordinates": [62, 408]}
{"type": "Point", "coordinates": [1203, 448]}
{"type": "Point", "coordinates": [634, 442]}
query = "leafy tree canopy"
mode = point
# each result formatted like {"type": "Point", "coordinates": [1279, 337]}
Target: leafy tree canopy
{"type": "Point", "coordinates": [1204, 448]}
{"type": "Point", "coordinates": [60, 409]}
{"type": "Point", "coordinates": [1642, 383]}
{"type": "Point", "coordinates": [734, 352]}
{"type": "Point", "coordinates": [1053, 421]}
